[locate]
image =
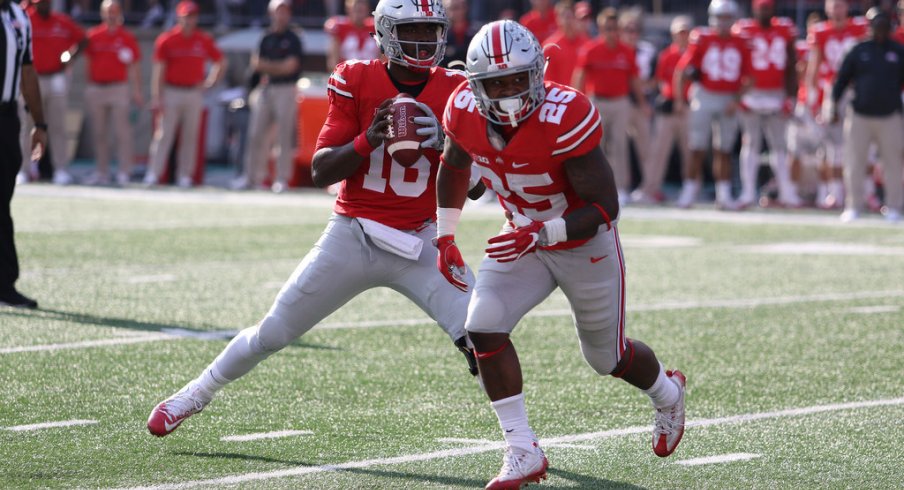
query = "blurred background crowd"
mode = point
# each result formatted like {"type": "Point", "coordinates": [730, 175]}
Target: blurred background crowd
{"type": "Point", "coordinates": [652, 161]}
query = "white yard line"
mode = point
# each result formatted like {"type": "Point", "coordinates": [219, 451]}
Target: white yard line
{"type": "Point", "coordinates": [722, 458]}
{"type": "Point", "coordinates": [482, 448]}
{"type": "Point", "coordinates": [176, 333]}
{"type": "Point", "coordinates": [152, 337]}
{"type": "Point", "coordinates": [266, 435]}
{"type": "Point", "coordinates": [48, 425]}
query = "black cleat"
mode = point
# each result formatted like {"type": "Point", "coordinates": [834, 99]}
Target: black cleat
{"type": "Point", "coordinates": [11, 297]}
{"type": "Point", "coordinates": [462, 344]}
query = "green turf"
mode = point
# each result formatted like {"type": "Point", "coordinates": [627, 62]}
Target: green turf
{"type": "Point", "coordinates": [112, 268]}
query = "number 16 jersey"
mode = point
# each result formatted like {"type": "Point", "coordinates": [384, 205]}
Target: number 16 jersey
{"type": "Point", "coordinates": [381, 189]}
{"type": "Point", "coordinates": [528, 172]}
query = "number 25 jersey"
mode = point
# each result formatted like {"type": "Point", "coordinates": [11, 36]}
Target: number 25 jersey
{"type": "Point", "coordinates": [528, 173]}
{"type": "Point", "coordinates": [381, 189]}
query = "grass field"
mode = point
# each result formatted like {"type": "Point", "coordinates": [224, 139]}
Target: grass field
{"type": "Point", "coordinates": [787, 324]}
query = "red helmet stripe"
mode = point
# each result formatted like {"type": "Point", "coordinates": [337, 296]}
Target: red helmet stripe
{"type": "Point", "coordinates": [425, 6]}
{"type": "Point", "coordinates": [496, 41]}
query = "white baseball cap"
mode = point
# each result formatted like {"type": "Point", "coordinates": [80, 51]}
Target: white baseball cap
{"type": "Point", "coordinates": [275, 4]}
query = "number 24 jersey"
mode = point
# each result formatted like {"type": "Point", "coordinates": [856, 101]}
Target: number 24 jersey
{"type": "Point", "coordinates": [528, 173]}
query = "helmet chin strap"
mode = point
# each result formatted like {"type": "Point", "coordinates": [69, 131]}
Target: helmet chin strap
{"type": "Point", "coordinates": [511, 106]}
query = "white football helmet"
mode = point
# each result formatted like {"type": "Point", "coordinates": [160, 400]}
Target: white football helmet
{"type": "Point", "coordinates": [390, 13]}
{"type": "Point", "coordinates": [719, 13]}
{"type": "Point", "coordinates": [503, 48]}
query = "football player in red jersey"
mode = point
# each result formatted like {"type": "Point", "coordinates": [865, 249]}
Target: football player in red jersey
{"type": "Point", "coordinates": [383, 214]}
{"type": "Point", "coordinates": [769, 103]}
{"type": "Point", "coordinates": [536, 144]}
{"type": "Point", "coordinates": [829, 41]}
{"type": "Point", "coordinates": [720, 62]}
{"type": "Point", "coordinates": [351, 35]}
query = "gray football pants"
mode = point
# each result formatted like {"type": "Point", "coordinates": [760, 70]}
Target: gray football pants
{"type": "Point", "coordinates": [344, 263]}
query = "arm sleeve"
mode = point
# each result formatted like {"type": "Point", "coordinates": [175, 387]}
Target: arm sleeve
{"type": "Point", "coordinates": [212, 50]}
{"type": "Point", "coordinates": [341, 125]}
{"type": "Point", "coordinates": [580, 132]}
{"type": "Point", "coordinates": [27, 57]}
{"type": "Point", "coordinates": [297, 49]}
{"type": "Point", "coordinates": [160, 48]}
{"type": "Point", "coordinates": [845, 73]}
{"type": "Point", "coordinates": [132, 43]}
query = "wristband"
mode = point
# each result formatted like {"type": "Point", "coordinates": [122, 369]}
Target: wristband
{"type": "Point", "coordinates": [362, 146]}
{"type": "Point", "coordinates": [41, 126]}
{"type": "Point", "coordinates": [447, 221]}
{"type": "Point", "coordinates": [555, 231]}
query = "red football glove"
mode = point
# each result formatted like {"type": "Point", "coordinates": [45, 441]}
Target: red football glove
{"type": "Point", "coordinates": [450, 262]}
{"type": "Point", "coordinates": [514, 244]}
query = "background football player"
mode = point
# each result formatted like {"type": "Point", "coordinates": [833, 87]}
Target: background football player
{"type": "Point", "coordinates": [829, 41]}
{"type": "Point", "coordinates": [769, 103]}
{"type": "Point", "coordinates": [720, 63]}
{"type": "Point", "coordinates": [382, 216]}
{"type": "Point", "coordinates": [537, 146]}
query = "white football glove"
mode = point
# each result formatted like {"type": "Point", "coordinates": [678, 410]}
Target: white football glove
{"type": "Point", "coordinates": [430, 127]}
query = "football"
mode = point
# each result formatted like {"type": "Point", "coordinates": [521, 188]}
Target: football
{"type": "Point", "coordinates": [402, 141]}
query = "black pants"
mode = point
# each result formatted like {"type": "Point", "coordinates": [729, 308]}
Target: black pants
{"type": "Point", "coordinates": [10, 162]}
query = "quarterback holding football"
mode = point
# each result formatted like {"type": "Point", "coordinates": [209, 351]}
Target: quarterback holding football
{"type": "Point", "coordinates": [537, 146]}
{"type": "Point", "coordinates": [384, 212]}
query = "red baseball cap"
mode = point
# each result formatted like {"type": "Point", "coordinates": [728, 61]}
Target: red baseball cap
{"type": "Point", "coordinates": [763, 3]}
{"type": "Point", "coordinates": [186, 8]}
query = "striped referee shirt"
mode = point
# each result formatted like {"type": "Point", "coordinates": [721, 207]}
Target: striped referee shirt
{"type": "Point", "coordinates": [15, 49]}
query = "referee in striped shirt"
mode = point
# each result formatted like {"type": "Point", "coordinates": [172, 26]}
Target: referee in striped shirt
{"type": "Point", "coordinates": [16, 72]}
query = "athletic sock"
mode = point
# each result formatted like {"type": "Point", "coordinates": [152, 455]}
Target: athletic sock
{"type": "Point", "coordinates": [723, 191]}
{"type": "Point", "coordinates": [663, 393]}
{"type": "Point", "coordinates": [836, 189]}
{"type": "Point", "coordinates": [513, 420]}
{"type": "Point", "coordinates": [208, 384]}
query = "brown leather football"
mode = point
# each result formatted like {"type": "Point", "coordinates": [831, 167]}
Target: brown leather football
{"type": "Point", "coordinates": [402, 141]}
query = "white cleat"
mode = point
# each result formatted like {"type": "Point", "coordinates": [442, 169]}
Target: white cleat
{"type": "Point", "coordinates": [668, 426]}
{"type": "Point", "coordinates": [849, 215]}
{"type": "Point", "coordinates": [167, 415]}
{"type": "Point", "coordinates": [62, 177]}
{"type": "Point", "coordinates": [519, 468]}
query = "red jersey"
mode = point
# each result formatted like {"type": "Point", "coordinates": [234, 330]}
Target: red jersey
{"type": "Point", "coordinates": [541, 26]}
{"type": "Point", "coordinates": [562, 53]}
{"type": "Point", "coordinates": [833, 43]}
{"type": "Point", "coordinates": [381, 189]}
{"type": "Point", "coordinates": [51, 37]}
{"type": "Point", "coordinates": [608, 71]}
{"type": "Point", "coordinates": [665, 72]}
{"type": "Point", "coordinates": [768, 49]}
{"type": "Point", "coordinates": [722, 62]}
{"type": "Point", "coordinates": [898, 35]}
{"type": "Point", "coordinates": [528, 174]}
{"type": "Point", "coordinates": [355, 43]}
{"type": "Point", "coordinates": [183, 57]}
{"type": "Point", "coordinates": [110, 52]}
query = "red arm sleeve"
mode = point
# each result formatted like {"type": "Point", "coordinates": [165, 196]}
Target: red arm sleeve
{"type": "Point", "coordinates": [342, 124]}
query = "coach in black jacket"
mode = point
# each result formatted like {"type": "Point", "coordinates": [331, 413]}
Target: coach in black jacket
{"type": "Point", "coordinates": [875, 68]}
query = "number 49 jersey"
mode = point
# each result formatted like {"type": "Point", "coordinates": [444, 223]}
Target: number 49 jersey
{"type": "Point", "coordinates": [722, 62]}
{"type": "Point", "coordinates": [768, 49]}
{"type": "Point", "coordinates": [528, 173]}
{"type": "Point", "coordinates": [381, 189]}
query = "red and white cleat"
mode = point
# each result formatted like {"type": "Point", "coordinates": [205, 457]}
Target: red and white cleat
{"type": "Point", "coordinates": [519, 468]}
{"type": "Point", "coordinates": [167, 415]}
{"type": "Point", "coordinates": [668, 426]}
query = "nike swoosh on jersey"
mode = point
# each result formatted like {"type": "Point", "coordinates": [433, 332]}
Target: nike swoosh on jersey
{"type": "Point", "coordinates": [594, 260]}
{"type": "Point", "coordinates": [519, 165]}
